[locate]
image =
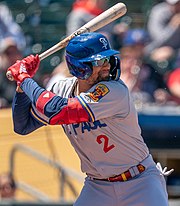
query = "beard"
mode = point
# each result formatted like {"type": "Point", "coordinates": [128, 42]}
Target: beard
{"type": "Point", "coordinates": [102, 77]}
{"type": "Point", "coordinates": [99, 78]}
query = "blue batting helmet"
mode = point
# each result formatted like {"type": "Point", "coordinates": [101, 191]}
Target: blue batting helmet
{"type": "Point", "coordinates": [83, 49]}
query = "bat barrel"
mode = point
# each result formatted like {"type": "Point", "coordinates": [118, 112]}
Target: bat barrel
{"type": "Point", "coordinates": [106, 17]}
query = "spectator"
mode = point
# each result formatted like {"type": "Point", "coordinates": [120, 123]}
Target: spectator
{"type": "Point", "coordinates": [173, 83]}
{"type": "Point", "coordinates": [7, 186]}
{"type": "Point", "coordinates": [137, 38]}
{"type": "Point", "coordinates": [164, 28]}
{"type": "Point", "coordinates": [164, 49]}
{"type": "Point", "coordinates": [137, 73]}
{"type": "Point", "coordinates": [164, 25]}
{"type": "Point", "coordinates": [9, 28]}
{"type": "Point", "coordinates": [9, 53]}
{"type": "Point", "coordinates": [119, 31]}
{"type": "Point", "coordinates": [85, 10]}
{"type": "Point", "coordinates": [12, 44]}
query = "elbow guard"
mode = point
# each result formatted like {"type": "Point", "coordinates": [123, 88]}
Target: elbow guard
{"type": "Point", "coordinates": [61, 110]}
{"type": "Point", "coordinates": [72, 113]}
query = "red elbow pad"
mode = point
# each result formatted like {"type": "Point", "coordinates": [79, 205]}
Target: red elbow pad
{"type": "Point", "coordinates": [72, 113]}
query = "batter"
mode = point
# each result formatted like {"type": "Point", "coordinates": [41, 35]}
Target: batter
{"type": "Point", "coordinates": [98, 116]}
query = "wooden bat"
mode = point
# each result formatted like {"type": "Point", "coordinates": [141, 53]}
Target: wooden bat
{"type": "Point", "coordinates": [98, 22]}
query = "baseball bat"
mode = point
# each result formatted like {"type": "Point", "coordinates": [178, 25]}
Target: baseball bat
{"type": "Point", "coordinates": [96, 23]}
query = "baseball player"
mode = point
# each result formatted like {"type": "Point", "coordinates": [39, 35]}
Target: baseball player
{"type": "Point", "coordinates": [98, 116]}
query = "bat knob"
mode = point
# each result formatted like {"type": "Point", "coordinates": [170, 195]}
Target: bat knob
{"type": "Point", "coordinates": [9, 76]}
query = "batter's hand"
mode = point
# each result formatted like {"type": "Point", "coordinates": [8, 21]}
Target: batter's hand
{"type": "Point", "coordinates": [163, 171]}
{"type": "Point", "coordinates": [25, 68]}
{"type": "Point", "coordinates": [32, 64]}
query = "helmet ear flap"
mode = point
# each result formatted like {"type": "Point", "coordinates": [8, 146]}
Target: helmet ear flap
{"type": "Point", "coordinates": [78, 69]}
{"type": "Point", "coordinates": [115, 70]}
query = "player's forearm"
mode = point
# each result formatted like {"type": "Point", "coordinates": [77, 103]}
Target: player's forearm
{"type": "Point", "coordinates": [32, 89]}
{"type": "Point", "coordinates": [45, 102]}
{"type": "Point", "coordinates": [24, 122]}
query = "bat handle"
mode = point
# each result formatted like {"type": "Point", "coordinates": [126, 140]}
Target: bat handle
{"type": "Point", "coordinates": [11, 78]}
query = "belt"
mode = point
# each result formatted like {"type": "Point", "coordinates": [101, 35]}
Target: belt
{"type": "Point", "coordinates": [127, 175]}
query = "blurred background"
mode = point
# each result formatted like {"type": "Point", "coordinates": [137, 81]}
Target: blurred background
{"type": "Point", "coordinates": [42, 168]}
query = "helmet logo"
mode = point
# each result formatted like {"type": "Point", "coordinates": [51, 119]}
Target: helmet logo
{"type": "Point", "coordinates": [104, 42]}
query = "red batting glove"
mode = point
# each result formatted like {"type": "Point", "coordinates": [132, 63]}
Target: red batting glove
{"type": "Point", "coordinates": [25, 68]}
{"type": "Point", "coordinates": [19, 71]}
{"type": "Point", "coordinates": [32, 64]}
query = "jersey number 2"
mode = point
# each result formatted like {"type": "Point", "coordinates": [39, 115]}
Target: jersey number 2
{"type": "Point", "coordinates": [102, 138]}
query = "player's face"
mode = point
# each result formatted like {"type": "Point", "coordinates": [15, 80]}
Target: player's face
{"type": "Point", "coordinates": [100, 73]}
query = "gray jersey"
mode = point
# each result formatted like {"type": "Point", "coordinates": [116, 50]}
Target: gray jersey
{"type": "Point", "coordinates": [111, 142]}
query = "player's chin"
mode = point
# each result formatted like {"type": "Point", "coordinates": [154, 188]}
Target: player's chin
{"type": "Point", "coordinates": [105, 78]}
